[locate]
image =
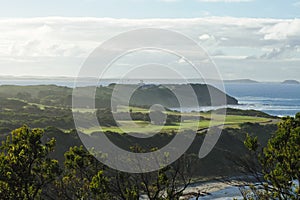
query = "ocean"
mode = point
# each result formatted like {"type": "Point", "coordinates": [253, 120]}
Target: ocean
{"type": "Point", "coordinates": [272, 98]}
{"type": "Point", "coordinates": [276, 99]}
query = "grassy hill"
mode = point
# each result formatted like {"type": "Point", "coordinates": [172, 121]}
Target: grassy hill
{"type": "Point", "coordinates": [52, 95]}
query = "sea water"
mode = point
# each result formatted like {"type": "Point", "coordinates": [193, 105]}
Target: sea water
{"type": "Point", "coordinates": [272, 98]}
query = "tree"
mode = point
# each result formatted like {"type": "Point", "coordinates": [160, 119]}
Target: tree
{"type": "Point", "coordinates": [168, 183]}
{"type": "Point", "coordinates": [83, 177]}
{"type": "Point", "coordinates": [27, 172]}
{"type": "Point", "coordinates": [25, 168]}
{"type": "Point", "coordinates": [279, 161]}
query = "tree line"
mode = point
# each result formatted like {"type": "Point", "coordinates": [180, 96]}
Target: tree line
{"type": "Point", "coordinates": [27, 171]}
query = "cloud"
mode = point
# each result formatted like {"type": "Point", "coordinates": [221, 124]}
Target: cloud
{"type": "Point", "coordinates": [181, 60]}
{"type": "Point", "coordinates": [62, 36]}
{"type": "Point", "coordinates": [54, 45]}
{"type": "Point", "coordinates": [279, 53]}
{"type": "Point", "coordinates": [204, 37]}
{"type": "Point", "coordinates": [282, 30]}
{"type": "Point", "coordinates": [274, 53]}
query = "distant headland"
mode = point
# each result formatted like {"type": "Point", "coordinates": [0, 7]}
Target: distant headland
{"type": "Point", "coordinates": [290, 82]}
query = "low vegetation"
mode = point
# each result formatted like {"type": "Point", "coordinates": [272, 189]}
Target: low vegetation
{"type": "Point", "coordinates": [48, 161]}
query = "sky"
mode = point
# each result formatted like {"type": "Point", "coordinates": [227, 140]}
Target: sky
{"type": "Point", "coordinates": [255, 39]}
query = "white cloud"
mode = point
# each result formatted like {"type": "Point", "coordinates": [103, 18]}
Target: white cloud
{"type": "Point", "coordinates": [181, 60]}
{"type": "Point", "coordinates": [286, 52]}
{"type": "Point", "coordinates": [282, 30]}
{"type": "Point", "coordinates": [204, 37]}
{"type": "Point", "coordinates": [58, 36]}
{"type": "Point", "coordinates": [59, 45]}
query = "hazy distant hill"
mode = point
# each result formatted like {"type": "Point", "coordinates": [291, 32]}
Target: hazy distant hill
{"type": "Point", "coordinates": [290, 82]}
{"type": "Point", "coordinates": [152, 94]}
{"type": "Point", "coordinates": [241, 81]}
{"type": "Point", "coordinates": [145, 95]}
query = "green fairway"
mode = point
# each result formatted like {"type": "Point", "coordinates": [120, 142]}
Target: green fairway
{"type": "Point", "coordinates": [145, 127]}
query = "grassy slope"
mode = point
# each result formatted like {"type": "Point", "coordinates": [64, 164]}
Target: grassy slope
{"type": "Point", "coordinates": [232, 121]}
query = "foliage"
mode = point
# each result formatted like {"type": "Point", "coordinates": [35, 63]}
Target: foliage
{"type": "Point", "coordinates": [16, 115]}
{"type": "Point", "coordinates": [86, 178]}
{"type": "Point", "coordinates": [25, 168]}
{"type": "Point", "coordinates": [280, 161]}
{"type": "Point", "coordinates": [232, 111]}
{"type": "Point", "coordinates": [82, 178]}
{"type": "Point", "coordinates": [105, 117]}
